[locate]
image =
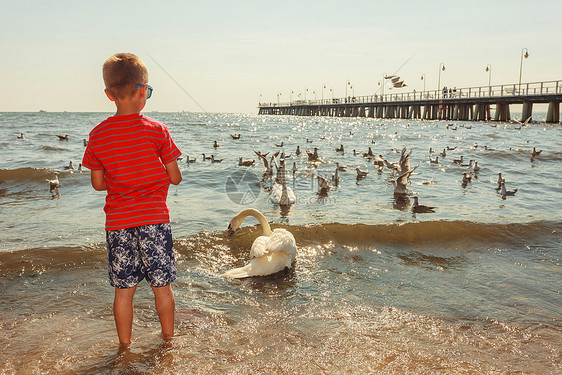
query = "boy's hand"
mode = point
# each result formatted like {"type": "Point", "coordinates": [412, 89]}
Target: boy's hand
{"type": "Point", "coordinates": [98, 179]}
{"type": "Point", "coordinates": [174, 172]}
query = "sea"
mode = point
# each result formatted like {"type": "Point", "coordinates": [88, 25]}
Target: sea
{"type": "Point", "coordinates": [472, 288]}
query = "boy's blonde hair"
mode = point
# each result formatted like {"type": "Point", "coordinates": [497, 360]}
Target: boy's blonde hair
{"type": "Point", "coordinates": [122, 72]}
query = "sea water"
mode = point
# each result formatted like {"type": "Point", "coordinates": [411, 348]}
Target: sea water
{"type": "Point", "coordinates": [472, 288]}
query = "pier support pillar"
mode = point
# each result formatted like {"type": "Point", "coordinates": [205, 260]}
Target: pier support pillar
{"type": "Point", "coordinates": [527, 111]}
{"type": "Point", "coordinates": [502, 112]}
{"type": "Point", "coordinates": [553, 114]}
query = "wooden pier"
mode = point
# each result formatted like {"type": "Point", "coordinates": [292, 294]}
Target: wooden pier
{"type": "Point", "coordinates": [483, 103]}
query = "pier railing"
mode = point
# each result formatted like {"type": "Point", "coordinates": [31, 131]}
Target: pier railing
{"type": "Point", "coordinates": [493, 91]}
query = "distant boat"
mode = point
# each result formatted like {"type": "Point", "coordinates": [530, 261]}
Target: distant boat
{"type": "Point", "coordinates": [42, 111]}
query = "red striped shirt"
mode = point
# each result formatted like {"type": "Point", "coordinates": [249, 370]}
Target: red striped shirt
{"type": "Point", "coordinates": [133, 151]}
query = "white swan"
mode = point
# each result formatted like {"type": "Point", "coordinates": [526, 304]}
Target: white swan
{"type": "Point", "coordinates": [280, 193]}
{"type": "Point", "coordinates": [271, 252]}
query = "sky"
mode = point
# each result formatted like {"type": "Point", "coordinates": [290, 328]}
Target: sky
{"type": "Point", "coordinates": [230, 55]}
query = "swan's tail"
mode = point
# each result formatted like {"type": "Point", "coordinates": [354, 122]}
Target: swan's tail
{"type": "Point", "coordinates": [262, 266]}
{"type": "Point", "coordinates": [239, 273]}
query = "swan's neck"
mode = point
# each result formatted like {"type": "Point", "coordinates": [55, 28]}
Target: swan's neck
{"type": "Point", "coordinates": [266, 229]}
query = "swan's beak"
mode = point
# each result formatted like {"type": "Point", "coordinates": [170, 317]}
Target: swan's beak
{"type": "Point", "coordinates": [229, 231]}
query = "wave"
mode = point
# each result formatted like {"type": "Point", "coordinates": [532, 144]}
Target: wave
{"type": "Point", "coordinates": [51, 148]}
{"type": "Point", "coordinates": [423, 237]}
{"type": "Point", "coordinates": [27, 174]}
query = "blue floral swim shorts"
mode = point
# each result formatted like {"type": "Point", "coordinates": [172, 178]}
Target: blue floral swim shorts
{"type": "Point", "coordinates": [139, 252]}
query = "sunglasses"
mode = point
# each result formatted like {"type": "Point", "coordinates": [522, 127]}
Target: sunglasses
{"type": "Point", "coordinates": [148, 89]}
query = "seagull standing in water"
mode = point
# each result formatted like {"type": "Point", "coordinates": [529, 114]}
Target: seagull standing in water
{"type": "Point", "coordinates": [506, 192]}
{"type": "Point", "coordinates": [421, 209]}
{"type": "Point", "coordinates": [69, 167]}
{"type": "Point", "coordinates": [54, 184]}
{"type": "Point", "coordinates": [400, 183]}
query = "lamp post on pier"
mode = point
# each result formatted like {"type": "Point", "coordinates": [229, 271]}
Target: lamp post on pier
{"type": "Point", "coordinates": [332, 91]}
{"type": "Point", "coordinates": [314, 92]}
{"type": "Point", "coordinates": [348, 83]}
{"type": "Point", "coordinates": [291, 97]}
{"type": "Point", "coordinates": [521, 66]}
{"type": "Point", "coordinates": [260, 98]}
{"type": "Point", "coordinates": [441, 68]}
{"type": "Point", "coordinates": [489, 70]}
{"type": "Point", "coordinates": [323, 87]}
{"type": "Point", "coordinates": [278, 95]}
{"type": "Point", "coordinates": [423, 79]}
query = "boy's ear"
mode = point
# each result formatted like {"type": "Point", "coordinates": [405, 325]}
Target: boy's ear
{"type": "Point", "coordinates": [109, 95]}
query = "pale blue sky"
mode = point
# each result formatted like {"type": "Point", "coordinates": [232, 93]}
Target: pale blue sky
{"type": "Point", "coordinates": [227, 53]}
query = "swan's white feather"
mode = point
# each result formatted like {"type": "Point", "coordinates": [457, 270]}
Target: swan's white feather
{"type": "Point", "coordinates": [277, 197]}
{"type": "Point", "coordinates": [262, 266]}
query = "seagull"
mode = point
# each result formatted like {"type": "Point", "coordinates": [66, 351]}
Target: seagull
{"type": "Point", "coordinates": [341, 167]}
{"type": "Point", "coordinates": [340, 149]}
{"type": "Point", "coordinates": [20, 136]}
{"type": "Point", "coordinates": [263, 159]}
{"type": "Point", "coordinates": [443, 154]}
{"type": "Point", "coordinates": [475, 167]}
{"type": "Point", "coordinates": [401, 181]}
{"type": "Point", "coordinates": [466, 178]}
{"type": "Point", "coordinates": [421, 209]}
{"type": "Point", "coordinates": [389, 165]}
{"type": "Point", "coordinates": [361, 174]}
{"type": "Point", "coordinates": [298, 151]}
{"type": "Point", "coordinates": [451, 148]}
{"type": "Point", "coordinates": [500, 180]}
{"type": "Point", "coordinates": [323, 185]}
{"type": "Point", "coordinates": [369, 154]}
{"type": "Point", "coordinates": [294, 169]}
{"type": "Point", "coordinates": [404, 160]}
{"type": "Point", "coordinates": [507, 192]}
{"type": "Point", "coordinates": [69, 167]}
{"type": "Point", "coordinates": [213, 160]}
{"type": "Point", "coordinates": [63, 137]}
{"type": "Point", "coordinates": [80, 167]}
{"type": "Point", "coordinates": [279, 144]}
{"type": "Point", "coordinates": [308, 141]}
{"type": "Point", "coordinates": [216, 144]}
{"type": "Point", "coordinates": [246, 162]}
{"type": "Point", "coordinates": [188, 160]}
{"type": "Point", "coordinates": [54, 184]}
{"type": "Point", "coordinates": [434, 161]}
{"type": "Point", "coordinates": [313, 156]}
{"type": "Point", "coordinates": [336, 177]}
{"type": "Point", "coordinates": [458, 161]}
{"type": "Point", "coordinates": [207, 157]}
{"type": "Point", "coordinates": [235, 136]}
{"type": "Point", "coordinates": [379, 161]}
{"type": "Point", "coordinates": [535, 152]}
{"type": "Point", "coordinates": [283, 156]}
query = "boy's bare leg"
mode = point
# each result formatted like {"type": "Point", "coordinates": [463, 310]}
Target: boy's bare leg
{"type": "Point", "coordinates": [165, 306]}
{"type": "Point", "coordinates": [123, 313]}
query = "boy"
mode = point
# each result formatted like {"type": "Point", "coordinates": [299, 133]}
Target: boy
{"type": "Point", "coordinates": [133, 157]}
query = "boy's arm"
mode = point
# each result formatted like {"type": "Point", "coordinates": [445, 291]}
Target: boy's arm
{"type": "Point", "coordinates": [174, 172]}
{"type": "Point", "coordinates": [98, 179]}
